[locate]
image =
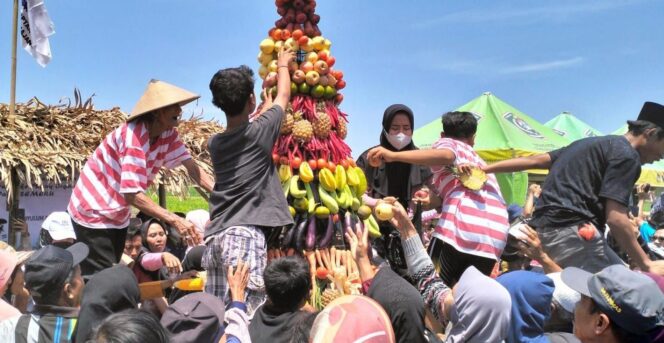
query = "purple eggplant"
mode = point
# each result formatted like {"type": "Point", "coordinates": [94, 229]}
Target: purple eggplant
{"type": "Point", "coordinates": [299, 234]}
{"type": "Point", "coordinates": [311, 234]}
{"type": "Point", "coordinates": [348, 220]}
{"type": "Point", "coordinates": [287, 239]}
{"type": "Point", "coordinates": [329, 232]}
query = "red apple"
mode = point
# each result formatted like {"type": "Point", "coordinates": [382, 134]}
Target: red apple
{"type": "Point", "coordinates": [323, 55]}
{"type": "Point", "coordinates": [293, 66]}
{"type": "Point", "coordinates": [276, 34]}
{"type": "Point", "coordinates": [312, 78]}
{"type": "Point", "coordinates": [298, 76]}
{"type": "Point", "coordinates": [338, 74]}
{"type": "Point", "coordinates": [271, 79]}
{"type": "Point", "coordinates": [321, 67]}
{"type": "Point", "coordinates": [341, 84]}
{"type": "Point", "coordinates": [331, 80]}
{"type": "Point", "coordinates": [306, 66]}
{"type": "Point", "coordinates": [323, 80]}
{"type": "Point", "coordinates": [331, 60]}
{"type": "Point", "coordinates": [339, 98]}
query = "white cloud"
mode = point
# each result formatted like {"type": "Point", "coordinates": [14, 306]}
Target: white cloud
{"type": "Point", "coordinates": [544, 66]}
{"type": "Point", "coordinates": [523, 15]}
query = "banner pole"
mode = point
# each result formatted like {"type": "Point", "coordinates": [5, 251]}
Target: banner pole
{"type": "Point", "coordinates": [12, 88]}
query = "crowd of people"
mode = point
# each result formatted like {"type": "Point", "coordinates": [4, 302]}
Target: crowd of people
{"type": "Point", "coordinates": [574, 264]}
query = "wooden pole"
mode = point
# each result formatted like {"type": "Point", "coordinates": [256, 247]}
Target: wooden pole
{"type": "Point", "coordinates": [13, 206]}
{"type": "Point", "coordinates": [12, 87]}
{"type": "Point", "coordinates": [162, 195]}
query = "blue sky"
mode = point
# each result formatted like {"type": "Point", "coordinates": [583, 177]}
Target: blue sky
{"type": "Point", "coordinates": [599, 60]}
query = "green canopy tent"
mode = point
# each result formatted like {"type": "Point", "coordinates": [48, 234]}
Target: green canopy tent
{"type": "Point", "coordinates": [503, 132]}
{"type": "Point", "coordinates": [571, 127]}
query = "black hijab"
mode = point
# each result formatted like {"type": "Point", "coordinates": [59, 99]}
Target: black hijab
{"type": "Point", "coordinates": [404, 177]}
{"type": "Point", "coordinates": [397, 171]}
{"type": "Point", "coordinates": [109, 291]}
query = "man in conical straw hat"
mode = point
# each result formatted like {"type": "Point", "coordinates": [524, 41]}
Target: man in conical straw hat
{"type": "Point", "coordinates": [123, 166]}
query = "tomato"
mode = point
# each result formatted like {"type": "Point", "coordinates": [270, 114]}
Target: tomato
{"type": "Point", "coordinates": [587, 232]}
{"type": "Point", "coordinates": [304, 40]}
{"type": "Point", "coordinates": [321, 163]}
{"type": "Point", "coordinates": [344, 163]}
{"type": "Point", "coordinates": [276, 34]}
{"type": "Point", "coordinates": [283, 160]}
{"type": "Point", "coordinates": [352, 162]}
{"type": "Point", "coordinates": [295, 162]}
{"type": "Point", "coordinates": [321, 273]}
{"type": "Point", "coordinates": [331, 166]}
{"type": "Point", "coordinates": [313, 164]}
{"type": "Point", "coordinates": [275, 158]}
{"type": "Point", "coordinates": [297, 34]}
{"type": "Point", "coordinates": [285, 34]}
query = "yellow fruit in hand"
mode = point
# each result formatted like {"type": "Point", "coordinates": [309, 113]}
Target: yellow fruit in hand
{"type": "Point", "coordinates": [384, 212]}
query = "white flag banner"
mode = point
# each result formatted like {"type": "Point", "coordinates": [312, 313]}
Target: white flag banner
{"type": "Point", "coordinates": [36, 27]}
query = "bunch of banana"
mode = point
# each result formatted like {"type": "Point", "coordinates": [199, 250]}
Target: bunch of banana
{"type": "Point", "coordinates": [285, 173]}
{"type": "Point", "coordinates": [371, 224]}
{"type": "Point", "coordinates": [340, 177]}
{"type": "Point", "coordinates": [327, 199]}
{"type": "Point", "coordinates": [327, 180]}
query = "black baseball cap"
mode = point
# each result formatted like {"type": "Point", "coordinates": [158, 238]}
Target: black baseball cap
{"type": "Point", "coordinates": [196, 317]}
{"type": "Point", "coordinates": [632, 300]}
{"type": "Point", "coordinates": [50, 266]}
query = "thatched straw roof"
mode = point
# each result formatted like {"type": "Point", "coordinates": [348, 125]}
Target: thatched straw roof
{"type": "Point", "coordinates": [50, 144]}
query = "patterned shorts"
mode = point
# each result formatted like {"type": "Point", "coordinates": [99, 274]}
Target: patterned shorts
{"type": "Point", "coordinates": [227, 248]}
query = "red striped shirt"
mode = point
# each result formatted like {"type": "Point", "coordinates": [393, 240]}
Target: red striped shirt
{"type": "Point", "coordinates": [125, 162]}
{"type": "Point", "coordinates": [474, 222]}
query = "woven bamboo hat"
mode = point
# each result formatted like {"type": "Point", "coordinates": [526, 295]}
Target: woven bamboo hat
{"type": "Point", "coordinates": [160, 94]}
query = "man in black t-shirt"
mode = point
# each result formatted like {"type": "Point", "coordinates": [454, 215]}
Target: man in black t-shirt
{"type": "Point", "coordinates": [247, 201]}
{"type": "Point", "coordinates": [588, 187]}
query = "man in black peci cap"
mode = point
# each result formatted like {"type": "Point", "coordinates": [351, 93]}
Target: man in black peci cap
{"type": "Point", "coordinates": [53, 277]}
{"type": "Point", "coordinates": [617, 305]}
{"type": "Point", "coordinates": [588, 188]}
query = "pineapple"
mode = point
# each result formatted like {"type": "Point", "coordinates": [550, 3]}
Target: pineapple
{"type": "Point", "coordinates": [342, 129]}
{"type": "Point", "coordinates": [303, 131]}
{"type": "Point", "coordinates": [287, 124]}
{"type": "Point", "coordinates": [328, 296]}
{"type": "Point", "coordinates": [322, 124]}
{"type": "Point", "coordinates": [475, 181]}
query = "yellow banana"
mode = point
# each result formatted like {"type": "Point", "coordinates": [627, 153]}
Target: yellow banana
{"type": "Point", "coordinates": [371, 224]}
{"type": "Point", "coordinates": [285, 186]}
{"type": "Point", "coordinates": [284, 173]}
{"type": "Point", "coordinates": [295, 190]}
{"type": "Point", "coordinates": [342, 198]}
{"type": "Point", "coordinates": [310, 198]}
{"type": "Point", "coordinates": [327, 180]}
{"type": "Point", "coordinates": [362, 185]}
{"type": "Point", "coordinates": [328, 200]}
{"type": "Point", "coordinates": [306, 174]}
{"type": "Point", "coordinates": [351, 176]}
{"type": "Point", "coordinates": [301, 204]}
{"type": "Point", "coordinates": [340, 177]}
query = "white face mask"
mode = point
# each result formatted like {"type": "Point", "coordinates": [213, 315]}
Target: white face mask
{"type": "Point", "coordinates": [398, 141]}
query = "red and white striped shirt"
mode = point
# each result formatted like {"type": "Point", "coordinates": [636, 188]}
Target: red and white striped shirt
{"type": "Point", "coordinates": [474, 222]}
{"type": "Point", "coordinates": [125, 162]}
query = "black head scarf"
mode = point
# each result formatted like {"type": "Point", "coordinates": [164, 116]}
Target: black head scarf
{"type": "Point", "coordinates": [390, 178]}
{"type": "Point", "coordinates": [109, 291]}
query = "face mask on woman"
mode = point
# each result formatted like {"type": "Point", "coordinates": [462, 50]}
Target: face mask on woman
{"type": "Point", "coordinates": [398, 141]}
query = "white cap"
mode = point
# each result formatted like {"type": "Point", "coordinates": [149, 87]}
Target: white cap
{"type": "Point", "coordinates": [199, 218]}
{"type": "Point", "coordinates": [58, 225]}
{"type": "Point", "coordinates": [563, 294]}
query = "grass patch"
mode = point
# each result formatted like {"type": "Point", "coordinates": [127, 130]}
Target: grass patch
{"type": "Point", "coordinates": [175, 204]}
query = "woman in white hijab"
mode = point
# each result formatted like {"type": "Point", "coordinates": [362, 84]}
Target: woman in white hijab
{"type": "Point", "coordinates": [478, 307]}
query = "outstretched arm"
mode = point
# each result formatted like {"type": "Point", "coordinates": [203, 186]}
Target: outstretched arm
{"type": "Point", "coordinates": [541, 161]}
{"type": "Point", "coordinates": [429, 157]}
